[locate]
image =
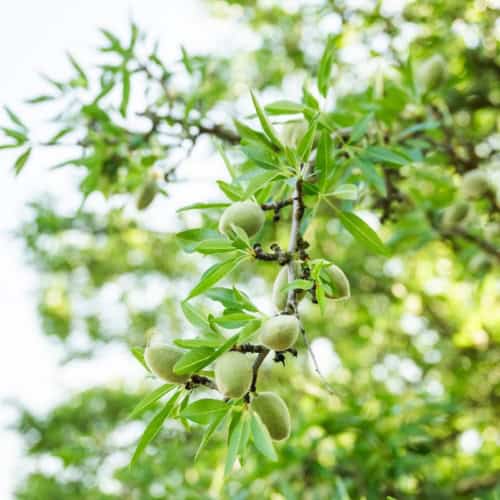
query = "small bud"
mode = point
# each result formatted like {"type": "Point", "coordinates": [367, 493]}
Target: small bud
{"type": "Point", "coordinates": [280, 297]}
{"type": "Point", "coordinates": [431, 73]}
{"type": "Point", "coordinates": [336, 283]}
{"type": "Point", "coordinates": [246, 215]}
{"type": "Point", "coordinates": [475, 184]}
{"type": "Point", "coordinates": [274, 414]}
{"type": "Point", "coordinates": [280, 332]}
{"type": "Point", "coordinates": [233, 374]}
{"type": "Point", "coordinates": [455, 214]}
{"type": "Point", "coordinates": [161, 358]}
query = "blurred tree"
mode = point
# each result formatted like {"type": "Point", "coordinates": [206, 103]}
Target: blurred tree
{"type": "Point", "coordinates": [405, 127]}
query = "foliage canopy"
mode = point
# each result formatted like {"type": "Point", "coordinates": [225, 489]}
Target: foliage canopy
{"type": "Point", "coordinates": [371, 141]}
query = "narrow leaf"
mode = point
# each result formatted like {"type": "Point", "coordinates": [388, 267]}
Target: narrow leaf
{"type": "Point", "coordinates": [266, 125]}
{"type": "Point", "coordinates": [202, 206]}
{"type": "Point", "coordinates": [234, 445]}
{"type": "Point", "coordinates": [261, 438]}
{"type": "Point", "coordinates": [15, 119]}
{"type": "Point", "coordinates": [298, 285]}
{"type": "Point", "coordinates": [306, 143]}
{"type": "Point", "coordinates": [138, 353]}
{"type": "Point", "coordinates": [154, 427]}
{"type": "Point", "coordinates": [194, 316]}
{"type": "Point", "coordinates": [360, 128]}
{"type": "Point", "coordinates": [384, 155]}
{"type": "Point", "coordinates": [214, 424]}
{"type": "Point", "coordinates": [203, 410]}
{"type": "Point", "coordinates": [209, 247]}
{"type": "Point", "coordinates": [150, 399]}
{"type": "Point", "coordinates": [284, 108]}
{"type": "Point", "coordinates": [21, 161]}
{"type": "Point", "coordinates": [361, 231]}
{"type": "Point", "coordinates": [215, 273]}
{"type": "Point", "coordinates": [125, 91]}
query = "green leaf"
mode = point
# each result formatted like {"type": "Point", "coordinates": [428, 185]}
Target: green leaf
{"type": "Point", "coordinates": [245, 434]}
{"type": "Point", "coordinates": [19, 137]}
{"type": "Point", "coordinates": [232, 191]}
{"type": "Point", "coordinates": [15, 119]}
{"type": "Point", "coordinates": [346, 192]}
{"type": "Point", "coordinates": [202, 206]}
{"type": "Point", "coordinates": [361, 231]}
{"type": "Point", "coordinates": [194, 316]}
{"type": "Point", "coordinates": [225, 159]}
{"type": "Point", "coordinates": [299, 284]}
{"type": "Point", "coordinates": [309, 99]}
{"type": "Point", "coordinates": [211, 342]}
{"type": "Point", "coordinates": [150, 399]}
{"type": "Point", "coordinates": [154, 427]}
{"type": "Point", "coordinates": [215, 273]}
{"type": "Point", "coordinates": [261, 156]}
{"type": "Point", "coordinates": [380, 154]}
{"type": "Point", "coordinates": [323, 153]}
{"type": "Point", "coordinates": [214, 424]}
{"type": "Point", "coordinates": [196, 359]}
{"type": "Point", "coordinates": [203, 410]}
{"type": "Point", "coordinates": [306, 143]}
{"type": "Point", "coordinates": [239, 237]}
{"type": "Point", "coordinates": [360, 128]}
{"type": "Point", "coordinates": [234, 439]}
{"type": "Point", "coordinates": [83, 77]}
{"type": "Point", "coordinates": [193, 360]}
{"type": "Point", "coordinates": [39, 99]}
{"type": "Point", "coordinates": [190, 238]}
{"type": "Point", "coordinates": [186, 60]}
{"type": "Point", "coordinates": [427, 125]}
{"type": "Point", "coordinates": [266, 125]}
{"type": "Point", "coordinates": [261, 437]}
{"type": "Point", "coordinates": [60, 135]}
{"type": "Point", "coordinates": [209, 247]}
{"type": "Point", "coordinates": [21, 161]}
{"type": "Point", "coordinates": [325, 67]}
{"type": "Point", "coordinates": [259, 181]}
{"type": "Point", "coordinates": [231, 298]}
{"type": "Point", "coordinates": [125, 91]}
{"type": "Point", "coordinates": [138, 353]}
{"type": "Point", "coordinates": [233, 319]}
{"type": "Point", "coordinates": [248, 331]}
{"type": "Point", "coordinates": [373, 177]}
{"type": "Point", "coordinates": [284, 108]}
{"type": "Point", "coordinates": [320, 296]}
{"type": "Point", "coordinates": [250, 135]}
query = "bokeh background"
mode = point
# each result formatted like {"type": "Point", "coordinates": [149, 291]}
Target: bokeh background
{"type": "Point", "coordinates": [414, 355]}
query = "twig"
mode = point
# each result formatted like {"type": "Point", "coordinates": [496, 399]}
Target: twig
{"type": "Point", "coordinates": [255, 368]}
{"type": "Point", "coordinates": [249, 348]}
{"type": "Point", "coordinates": [293, 245]}
{"type": "Point", "coordinates": [277, 254]}
{"type": "Point", "coordinates": [276, 207]}
{"type": "Point", "coordinates": [196, 380]}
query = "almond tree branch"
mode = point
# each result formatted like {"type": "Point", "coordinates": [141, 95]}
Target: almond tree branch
{"type": "Point", "coordinates": [295, 245]}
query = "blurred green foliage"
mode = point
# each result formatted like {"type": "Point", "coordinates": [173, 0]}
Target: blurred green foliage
{"type": "Point", "coordinates": [413, 356]}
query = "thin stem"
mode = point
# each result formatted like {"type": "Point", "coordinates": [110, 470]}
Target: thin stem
{"type": "Point", "coordinates": [293, 244]}
{"type": "Point", "coordinates": [255, 368]}
{"type": "Point", "coordinates": [196, 380]}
